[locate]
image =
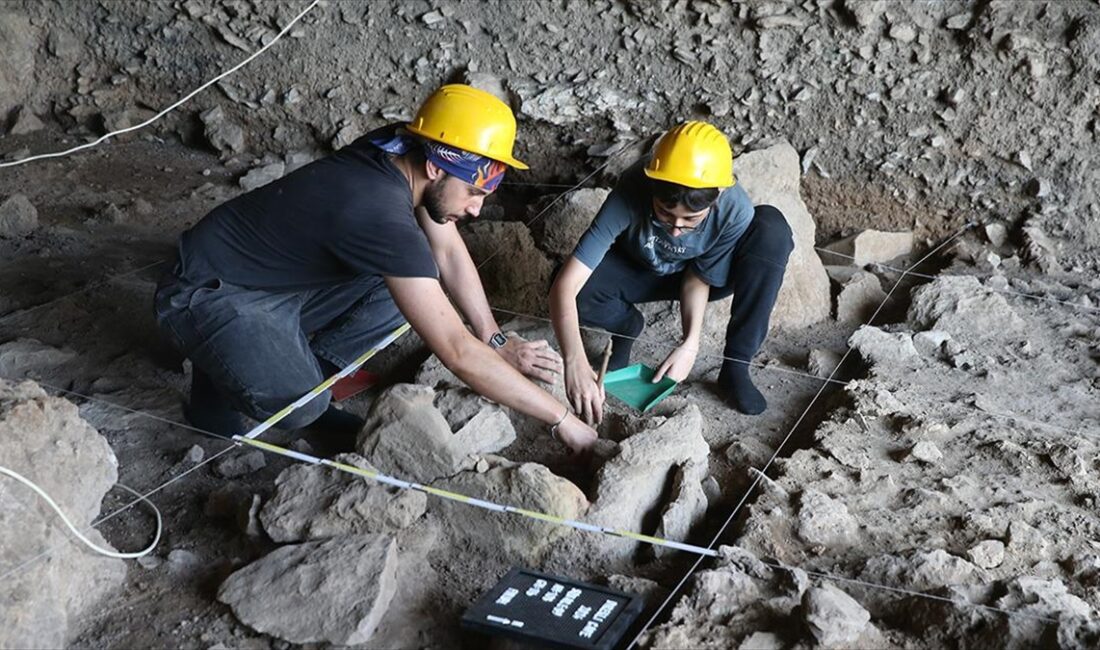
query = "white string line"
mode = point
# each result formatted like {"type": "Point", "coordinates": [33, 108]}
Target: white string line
{"type": "Point", "coordinates": [172, 107]}
{"type": "Point", "coordinates": [94, 284]}
{"type": "Point", "coordinates": [756, 481]}
{"type": "Point", "coordinates": [75, 531]}
{"type": "Point", "coordinates": [662, 344]}
{"type": "Point", "coordinates": [1011, 292]}
{"type": "Point", "coordinates": [811, 572]}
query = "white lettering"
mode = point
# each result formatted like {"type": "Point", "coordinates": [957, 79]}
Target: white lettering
{"type": "Point", "coordinates": [589, 629]}
{"type": "Point", "coordinates": [581, 612]}
{"type": "Point", "coordinates": [552, 595]}
{"type": "Point", "coordinates": [507, 596]}
{"type": "Point", "coordinates": [534, 589]}
{"type": "Point", "coordinates": [601, 615]}
{"type": "Point", "coordinates": [564, 604]}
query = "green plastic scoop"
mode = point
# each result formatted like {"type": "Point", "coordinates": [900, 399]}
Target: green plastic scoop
{"type": "Point", "coordinates": [632, 385]}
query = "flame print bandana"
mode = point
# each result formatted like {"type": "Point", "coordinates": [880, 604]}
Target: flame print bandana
{"type": "Point", "coordinates": [471, 168]}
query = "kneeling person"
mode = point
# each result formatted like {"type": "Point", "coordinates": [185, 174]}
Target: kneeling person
{"type": "Point", "coordinates": [676, 227]}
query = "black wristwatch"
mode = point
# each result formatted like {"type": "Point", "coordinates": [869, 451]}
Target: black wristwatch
{"type": "Point", "coordinates": [497, 341]}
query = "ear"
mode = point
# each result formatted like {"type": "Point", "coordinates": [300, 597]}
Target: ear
{"type": "Point", "coordinates": [433, 170]}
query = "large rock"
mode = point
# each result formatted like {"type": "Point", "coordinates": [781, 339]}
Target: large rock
{"type": "Point", "coordinates": [44, 439]}
{"type": "Point", "coordinates": [824, 521]}
{"type": "Point", "coordinates": [859, 298]}
{"type": "Point", "coordinates": [530, 486]}
{"type": "Point", "coordinates": [18, 216]}
{"type": "Point", "coordinates": [19, 41]}
{"type": "Point", "coordinates": [315, 502]}
{"type": "Point", "coordinates": [1034, 599]}
{"type": "Point", "coordinates": [870, 247]}
{"type": "Point", "coordinates": [832, 616]}
{"type": "Point", "coordinates": [961, 306]}
{"type": "Point", "coordinates": [921, 570]}
{"type": "Point", "coordinates": [25, 121]}
{"type": "Point", "coordinates": [881, 347]}
{"type": "Point", "coordinates": [334, 591]}
{"type": "Point", "coordinates": [421, 435]}
{"type": "Point", "coordinates": [563, 224]}
{"type": "Point", "coordinates": [514, 272]}
{"type": "Point", "coordinates": [771, 176]}
{"type": "Point", "coordinates": [222, 134]}
{"type": "Point", "coordinates": [686, 507]}
{"type": "Point", "coordinates": [632, 485]}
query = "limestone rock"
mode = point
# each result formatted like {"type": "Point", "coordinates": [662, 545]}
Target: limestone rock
{"type": "Point", "coordinates": [334, 591]}
{"type": "Point", "coordinates": [771, 176]}
{"type": "Point", "coordinates": [922, 570]}
{"type": "Point", "coordinates": [315, 502]}
{"type": "Point", "coordinates": [22, 357]}
{"type": "Point", "coordinates": [866, 12]}
{"type": "Point", "coordinates": [832, 616]}
{"type": "Point", "coordinates": [988, 554]}
{"type": "Point", "coordinates": [527, 485]}
{"type": "Point", "coordinates": [564, 223]}
{"type": "Point", "coordinates": [879, 347]}
{"type": "Point", "coordinates": [930, 343]}
{"type": "Point", "coordinates": [225, 136]}
{"type": "Point", "coordinates": [872, 246]}
{"type": "Point", "coordinates": [1034, 599]}
{"type": "Point", "coordinates": [686, 507]}
{"type": "Point", "coordinates": [822, 363]}
{"type": "Point", "coordinates": [859, 298]}
{"type": "Point", "coordinates": [19, 41]}
{"type": "Point", "coordinates": [960, 306]}
{"type": "Point", "coordinates": [44, 439]}
{"type": "Point", "coordinates": [515, 273]}
{"type": "Point", "coordinates": [18, 217]}
{"type": "Point", "coordinates": [261, 176]}
{"type": "Point", "coordinates": [632, 484]}
{"type": "Point", "coordinates": [825, 521]}
{"type": "Point", "coordinates": [25, 122]}
{"type": "Point", "coordinates": [239, 463]}
{"type": "Point", "coordinates": [417, 434]}
{"type": "Point", "coordinates": [926, 451]}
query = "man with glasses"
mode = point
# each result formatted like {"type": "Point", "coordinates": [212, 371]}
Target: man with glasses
{"type": "Point", "coordinates": [676, 227]}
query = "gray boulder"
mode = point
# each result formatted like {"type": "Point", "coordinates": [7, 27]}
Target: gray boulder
{"type": "Point", "coordinates": [879, 347]}
{"type": "Point", "coordinates": [963, 308]}
{"type": "Point", "coordinates": [225, 136]}
{"type": "Point", "coordinates": [334, 591]}
{"type": "Point", "coordinates": [260, 176]}
{"type": "Point", "coordinates": [772, 176]}
{"type": "Point", "coordinates": [25, 122]}
{"type": "Point", "coordinates": [686, 506]}
{"type": "Point", "coordinates": [44, 439]}
{"type": "Point", "coordinates": [18, 217]}
{"type": "Point", "coordinates": [316, 502]}
{"type": "Point", "coordinates": [859, 298]}
{"type": "Point", "coordinates": [870, 247]}
{"type": "Point", "coordinates": [421, 435]}
{"type": "Point", "coordinates": [833, 617]}
{"type": "Point", "coordinates": [825, 521]}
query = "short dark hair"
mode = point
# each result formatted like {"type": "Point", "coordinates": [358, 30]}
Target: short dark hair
{"type": "Point", "coordinates": [673, 194]}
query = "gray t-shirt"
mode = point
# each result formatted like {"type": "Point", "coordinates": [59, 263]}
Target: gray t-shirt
{"type": "Point", "coordinates": [626, 220]}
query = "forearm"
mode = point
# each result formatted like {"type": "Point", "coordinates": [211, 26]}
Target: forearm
{"type": "Point", "coordinates": [492, 377]}
{"type": "Point", "coordinates": [460, 277]}
{"type": "Point", "coordinates": [566, 322]}
{"type": "Point", "coordinates": [693, 306]}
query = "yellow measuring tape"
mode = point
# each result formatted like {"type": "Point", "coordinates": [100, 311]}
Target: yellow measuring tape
{"type": "Point", "coordinates": [250, 439]}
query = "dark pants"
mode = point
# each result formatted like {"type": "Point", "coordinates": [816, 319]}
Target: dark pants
{"type": "Point", "coordinates": [756, 273]}
{"type": "Point", "coordinates": [261, 348]}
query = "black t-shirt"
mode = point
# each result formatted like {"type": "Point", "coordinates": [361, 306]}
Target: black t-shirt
{"type": "Point", "coordinates": [339, 218]}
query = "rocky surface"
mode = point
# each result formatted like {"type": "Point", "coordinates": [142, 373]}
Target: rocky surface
{"type": "Point", "coordinates": [44, 439]}
{"type": "Point", "coordinates": [334, 591]}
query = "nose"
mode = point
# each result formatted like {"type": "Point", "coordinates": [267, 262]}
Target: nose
{"type": "Point", "coordinates": [474, 208]}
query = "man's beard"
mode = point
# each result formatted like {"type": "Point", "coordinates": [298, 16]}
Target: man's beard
{"type": "Point", "coordinates": [433, 202]}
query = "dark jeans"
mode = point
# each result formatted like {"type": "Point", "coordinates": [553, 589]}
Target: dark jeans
{"type": "Point", "coordinates": [756, 273]}
{"type": "Point", "coordinates": [261, 348]}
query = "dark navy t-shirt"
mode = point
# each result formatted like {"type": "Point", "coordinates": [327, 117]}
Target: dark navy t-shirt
{"type": "Point", "coordinates": [337, 219]}
{"type": "Point", "coordinates": [626, 221]}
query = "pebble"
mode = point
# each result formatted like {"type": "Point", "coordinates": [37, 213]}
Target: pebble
{"type": "Point", "coordinates": [195, 455]}
{"type": "Point", "coordinates": [988, 554]}
{"type": "Point", "coordinates": [925, 451]}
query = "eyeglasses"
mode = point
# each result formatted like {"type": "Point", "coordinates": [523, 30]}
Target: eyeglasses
{"type": "Point", "coordinates": [669, 227]}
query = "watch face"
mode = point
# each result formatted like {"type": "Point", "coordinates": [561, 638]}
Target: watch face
{"type": "Point", "coordinates": [497, 340]}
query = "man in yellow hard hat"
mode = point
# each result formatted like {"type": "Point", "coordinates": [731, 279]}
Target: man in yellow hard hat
{"type": "Point", "coordinates": [676, 226]}
{"type": "Point", "coordinates": [284, 285]}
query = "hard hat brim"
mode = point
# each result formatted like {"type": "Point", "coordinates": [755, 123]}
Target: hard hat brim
{"type": "Point", "coordinates": [511, 161]}
{"type": "Point", "coordinates": [680, 180]}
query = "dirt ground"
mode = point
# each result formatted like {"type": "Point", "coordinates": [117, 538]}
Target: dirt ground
{"type": "Point", "coordinates": [907, 116]}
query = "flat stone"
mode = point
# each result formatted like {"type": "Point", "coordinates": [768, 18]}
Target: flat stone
{"type": "Point", "coordinates": [334, 591]}
{"type": "Point", "coordinates": [903, 33]}
{"type": "Point", "coordinates": [880, 347]}
{"type": "Point", "coordinates": [18, 217]}
{"type": "Point", "coordinates": [240, 463]}
{"type": "Point", "coordinates": [988, 554]}
{"type": "Point", "coordinates": [25, 122]}
{"type": "Point", "coordinates": [925, 451]}
{"type": "Point", "coordinates": [871, 246]}
{"type": "Point", "coordinates": [833, 617]}
{"type": "Point", "coordinates": [261, 176]}
{"type": "Point", "coordinates": [859, 298]}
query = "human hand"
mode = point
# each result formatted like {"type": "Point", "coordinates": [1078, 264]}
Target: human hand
{"type": "Point", "coordinates": [677, 366]}
{"type": "Point", "coordinates": [585, 393]}
{"type": "Point", "coordinates": [576, 435]}
{"type": "Point", "coordinates": [535, 359]}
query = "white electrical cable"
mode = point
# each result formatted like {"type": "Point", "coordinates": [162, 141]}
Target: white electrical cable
{"type": "Point", "coordinates": [188, 96]}
{"type": "Point", "coordinates": [87, 542]}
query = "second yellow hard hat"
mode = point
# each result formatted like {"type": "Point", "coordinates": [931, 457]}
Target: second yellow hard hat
{"type": "Point", "coordinates": [470, 119]}
{"type": "Point", "coordinates": [693, 154]}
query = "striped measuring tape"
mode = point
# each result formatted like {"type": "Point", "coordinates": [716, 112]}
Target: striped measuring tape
{"type": "Point", "coordinates": [250, 438]}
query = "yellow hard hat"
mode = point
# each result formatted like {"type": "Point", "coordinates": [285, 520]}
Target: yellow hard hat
{"type": "Point", "coordinates": [469, 119]}
{"type": "Point", "coordinates": [693, 154]}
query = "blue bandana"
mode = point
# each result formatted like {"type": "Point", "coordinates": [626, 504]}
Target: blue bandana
{"type": "Point", "coordinates": [471, 168]}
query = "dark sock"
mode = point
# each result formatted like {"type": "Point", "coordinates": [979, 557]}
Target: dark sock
{"type": "Point", "coordinates": [338, 423]}
{"type": "Point", "coordinates": [622, 345]}
{"type": "Point", "coordinates": [738, 390]}
{"type": "Point", "coordinates": [209, 410]}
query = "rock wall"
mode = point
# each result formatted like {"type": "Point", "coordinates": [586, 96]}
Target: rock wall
{"type": "Point", "coordinates": [44, 439]}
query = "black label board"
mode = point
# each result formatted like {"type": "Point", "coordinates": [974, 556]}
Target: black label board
{"type": "Point", "coordinates": [553, 612]}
